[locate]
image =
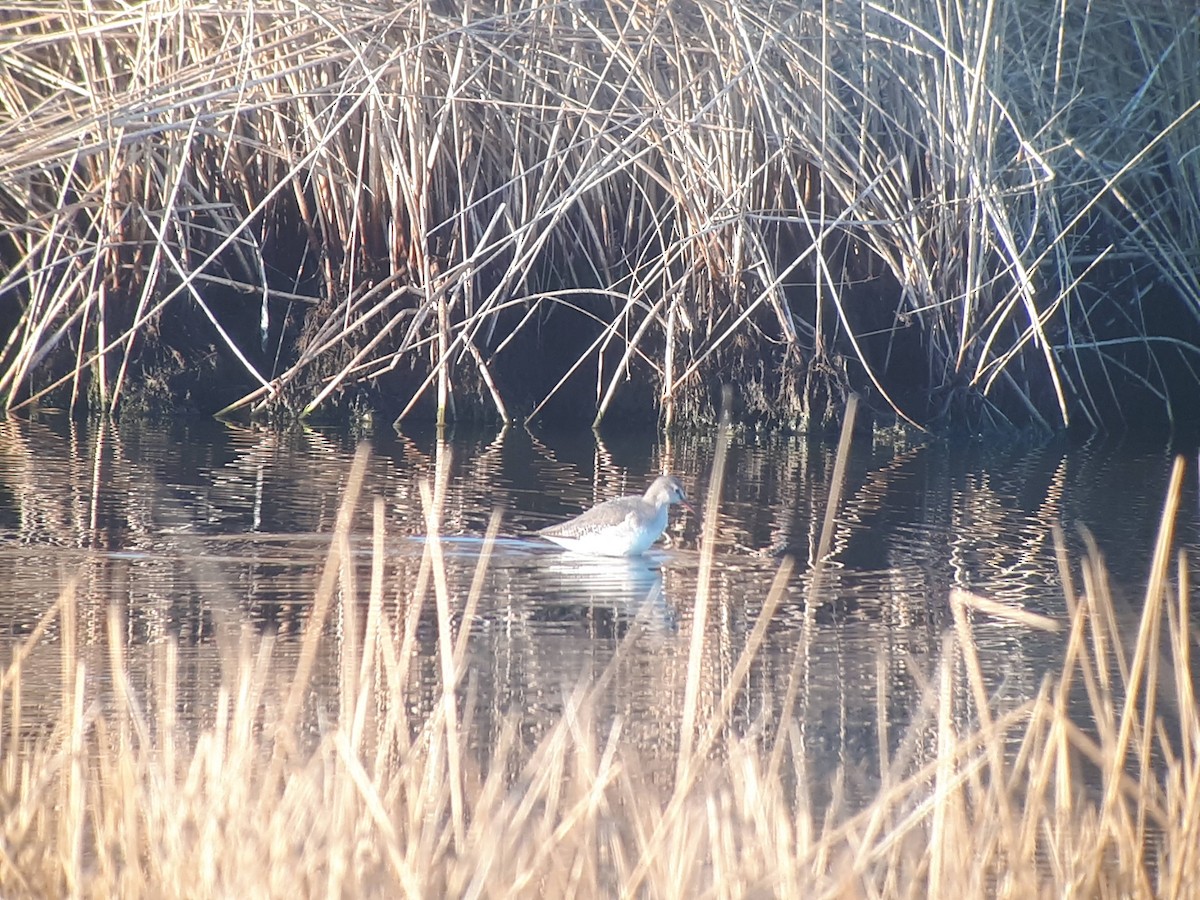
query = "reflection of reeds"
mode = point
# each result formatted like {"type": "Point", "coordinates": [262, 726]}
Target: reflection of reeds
{"type": "Point", "coordinates": [418, 195]}
{"type": "Point", "coordinates": [111, 795]}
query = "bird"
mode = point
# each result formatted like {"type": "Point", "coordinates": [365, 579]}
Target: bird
{"type": "Point", "coordinates": [626, 526]}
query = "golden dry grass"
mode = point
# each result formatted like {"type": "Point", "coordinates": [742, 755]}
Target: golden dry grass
{"type": "Point", "coordinates": [1086, 789]}
{"type": "Point", "coordinates": [419, 188]}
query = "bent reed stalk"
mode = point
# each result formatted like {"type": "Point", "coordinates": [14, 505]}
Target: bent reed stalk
{"type": "Point", "coordinates": [960, 210]}
{"type": "Point", "coordinates": [111, 794]}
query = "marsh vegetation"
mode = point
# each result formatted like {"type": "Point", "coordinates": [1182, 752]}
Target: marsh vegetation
{"type": "Point", "coordinates": [114, 783]}
{"type": "Point", "coordinates": [975, 214]}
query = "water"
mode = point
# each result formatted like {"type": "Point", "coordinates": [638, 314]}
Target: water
{"type": "Point", "coordinates": [197, 531]}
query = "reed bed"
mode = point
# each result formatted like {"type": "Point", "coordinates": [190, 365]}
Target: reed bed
{"type": "Point", "coordinates": [1086, 788]}
{"type": "Point", "coordinates": [975, 212]}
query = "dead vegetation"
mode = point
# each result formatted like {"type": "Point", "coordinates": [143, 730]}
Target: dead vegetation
{"type": "Point", "coordinates": [982, 214]}
{"type": "Point", "coordinates": [1088, 787]}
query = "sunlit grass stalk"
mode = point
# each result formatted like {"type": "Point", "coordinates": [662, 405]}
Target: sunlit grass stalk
{"type": "Point", "coordinates": [816, 572]}
{"type": "Point", "coordinates": [699, 630]}
{"type": "Point", "coordinates": [433, 502]}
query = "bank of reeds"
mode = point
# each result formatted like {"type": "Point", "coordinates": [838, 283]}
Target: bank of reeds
{"type": "Point", "coordinates": [1088, 788]}
{"type": "Point", "coordinates": [982, 212]}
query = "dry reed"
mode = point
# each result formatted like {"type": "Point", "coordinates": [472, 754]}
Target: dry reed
{"type": "Point", "coordinates": [972, 201]}
{"type": "Point", "coordinates": [110, 794]}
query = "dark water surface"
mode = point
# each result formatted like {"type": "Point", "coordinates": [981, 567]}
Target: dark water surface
{"type": "Point", "coordinates": [188, 528]}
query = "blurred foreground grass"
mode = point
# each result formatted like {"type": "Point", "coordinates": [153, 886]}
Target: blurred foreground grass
{"type": "Point", "coordinates": [112, 795]}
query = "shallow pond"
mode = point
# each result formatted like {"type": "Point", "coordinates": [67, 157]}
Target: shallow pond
{"type": "Point", "coordinates": [199, 531]}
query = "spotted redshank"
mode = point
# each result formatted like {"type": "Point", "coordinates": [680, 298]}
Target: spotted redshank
{"type": "Point", "coordinates": [626, 526]}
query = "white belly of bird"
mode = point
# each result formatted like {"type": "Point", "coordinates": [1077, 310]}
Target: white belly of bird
{"type": "Point", "coordinates": [625, 537]}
